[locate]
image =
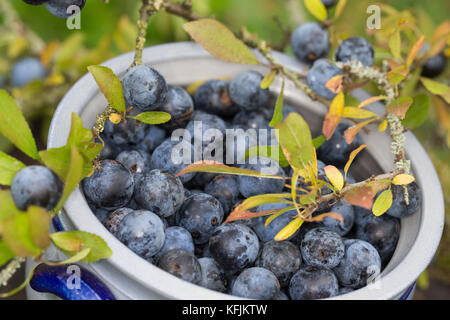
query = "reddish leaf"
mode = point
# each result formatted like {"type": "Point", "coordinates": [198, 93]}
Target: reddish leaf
{"type": "Point", "coordinates": [400, 106]}
{"type": "Point", "coordinates": [335, 84]}
{"type": "Point", "coordinates": [371, 100]}
{"type": "Point", "coordinates": [362, 197]}
{"type": "Point", "coordinates": [414, 51]}
{"type": "Point", "coordinates": [351, 132]}
{"type": "Point", "coordinates": [334, 115]}
{"type": "Point", "coordinates": [322, 216]}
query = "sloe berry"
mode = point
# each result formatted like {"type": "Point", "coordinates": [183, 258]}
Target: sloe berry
{"type": "Point", "coordinates": [213, 276]}
{"type": "Point", "coordinates": [144, 88]}
{"type": "Point", "coordinates": [234, 246]}
{"type": "Point", "coordinates": [114, 219]}
{"type": "Point", "coordinates": [160, 192]}
{"type": "Point", "coordinates": [181, 264]}
{"type": "Point", "coordinates": [134, 160]}
{"type": "Point", "coordinates": [310, 42]}
{"type": "Point", "coordinates": [256, 283]}
{"type": "Point", "coordinates": [318, 76]}
{"type": "Point", "coordinates": [399, 208]}
{"type": "Point", "coordinates": [246, 92]}
{"type": "Point", "coordinates": [313, 283]}
{"type": "Point", "coordinates": [355, 48]}
{"type": "Point", "coordinates": [27, 70]}
{"type": "Point", "coordinates": [252, 186]}
{"type": "Point", "coordinates": [336, 150]}
{"type": "Point", "coordinates": [200, 214]}
{"type": "Point", "coordinates": [111, 186]}
{"type": "Point", "coordinates": [346, 212]}
{"type": "Point", "coordinates": [176, 238]}
{"type": "Point", "coordinates": [153, 138]}
{"type": "Point", "coordinates": [213, 97]}
{"type": "Point", "coordinates": [360, 263]}
{"type": "Point", "coordinates": [282, 258]}
{"type": "Point", "coordinates": [36, 186]}
{"type": "Point", "coordinates": [224, 188]}
{"type": "Point", "coordinates": [59, 8]}
{"type": "Point", "coordinates": [180, 106]}
{"type": "Point", "coordinates": [142, 232]}
{"type": "Point", "coordinates": [434, 66]}
{"type": "Point", "coordinates": [323, 248]}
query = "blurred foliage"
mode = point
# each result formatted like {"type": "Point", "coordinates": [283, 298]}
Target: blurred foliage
{"type": "Point", "coordinates": [108, 30]}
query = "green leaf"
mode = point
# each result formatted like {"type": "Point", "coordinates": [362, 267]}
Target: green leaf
{"type": "Point", "coordinates": [74, 176]}
{"type": "Point", "coordinates": [217, 167]}
{"type": "Point", "coordinates": [5, 253]}
{"type": "Point", "coordinates": [268, 79]}
{"type": "Point", "coordinates": [272, 152]}
{"type": "Point", "coordinates": [395, 44]}
{"type": "Point", "coordinates": [9, 166]}
{"type": "Point", "coordinates": [295, 139]}
{"type": "Point", "coordinates": [16, 233]}
{"type": "Point", "coordinates": [219, 41]}
{"type": "Point", "coordinates": [7, 207]}
{"type": "Point", "coordinates": [382, 203]}
{"type": "Point", "coordinates": [400, 106]}
{"type": "Point", "coordinates": [153, 117]}
{"type": "Point", "coordinates": [437, 88]}
{"type": "Point", "coordinates": [317, 9]}
{"type": "Point", "coordinates": [317, 142]}
{"type": "Point", "coordinates": [14, 126]}
{"type": "Point", "coordinates": [78, 133]}
{"type": "Point", "coordinates": [98, 246]}
{"type": "Point", "coordinates": [289, 229]}
{"type": "Point", "coordinates": [58, 160]}
{"type": "Point", "coordinates": [278, 112]}
{"type": "Point", "coordinates": [418, 111]}
{"type": "Point", "coordinates": [110, 86]}
{"type": "Point", "coordinates": [39, 226]}
{"type": "Point", "coordinates": [67, 241]}
{"type": "Point", "coordinates": [75, 258]}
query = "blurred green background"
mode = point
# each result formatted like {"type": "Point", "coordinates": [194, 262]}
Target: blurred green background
{"type": "Point", "coordinates": [108, 30]}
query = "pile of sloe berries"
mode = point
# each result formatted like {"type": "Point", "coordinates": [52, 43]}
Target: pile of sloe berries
{"type": "Point", "coordinates": [176, 223]}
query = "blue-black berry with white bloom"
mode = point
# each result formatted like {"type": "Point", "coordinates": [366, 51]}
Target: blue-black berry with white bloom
{"type": "Point", "coordinates": [200, 214]}
{"type": "Point", "coordinates": [213, 276]}
{"type": "Point", "coordinates": [142, 232]}
{"type": "Point", "coordinates": [36, 186]}
{"type": "Point", "coordinates": [256, 283]}
{"type": "Point", "coordinates": [355, 48]}
{"type": "Point", "coordinates": [160, 192]}
{"type": "Point", "coordinates": [323, 248]}
{"type": "Point", "coordinates": [144, 88]}
{"type": "Point", "coordinates": [311, 283]}
{"type": "Point", "coordinates": [246, 92]}
{"type": "Point", "coordinates": [111, 186]}
{"type": "Point", "coordinates": [318, 76]}
{"type": "Point", "coordinates": [176, 238]}
{"type": "Point", "coordinates": [182, 264]}
{"type": "Point", "coordinates": [310, 42]}
{"type": "Point", "coordinates": [62, 8]}
{"type": "Point", "coordinates": [180, 106]}
{"type": "Point", "coordinates": [214, 97]}
{"type": "Point", "coordinates": [399, 207]}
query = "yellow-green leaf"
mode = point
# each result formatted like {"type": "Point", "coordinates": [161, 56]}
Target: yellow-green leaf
{"type": "Point", "coordinates": [73, 178]}
{"type": "Point", "coordinates": [382, 203]}
{"type": "Point", "coordinates": [437, 88]}
{"type": "Point", "coordinates": [217, 167]}
{"type": "Point", "coordinates": [7, 207]}
{"type": "Point", "coordinates": [414, 51]}
{"type": "Point", "coordinates": [75, 258]}
{"type": "Point", "coordinates": [352, 157]}
{"type": "Point", "coordinates": [339, 8]}
{"type": "Point", "coordinates": [289, 230]}
{"type": "Point", "coordinates": [277, 214]}
{"type": "Point", "coordinates": [333, 116]}
{"type": "Point", "coordinates": [14, 126]}
{"type": "Point", "coordinates": [110, 86]}
{"type": "Point", "coordinates": [9, 166]}
{"type": "Point", "coordinates": [16, 233]}
{"type": "Point", "coordinates": [335, 176]}
{"type": "Point", "coordinates": [403, 179]}
{"type": "Point", "coordinates": [67, 241]}
{"type": "Point", "coordinates": [357, 113]}
{"type": "Point", "coordinates": [395, 43]}
{"type": "Point", "coordinates": [317, 9]}
{"type": "Point", "coordinates": [278, 112]}
{"type": "Point", "coordinates": [153, 117]}
{"type": "Point", "coordinates": [295, 139]}
{"type": "Point", "coordinates": [418, 111]}
{"type": "Point", "coordinates": [400, 106]}
{"type": "Point", "coordinates": [219, 41]}
{"type": "Point", "coordinates": [371, 100]}
{"type": "Point", "coordinates": [39, 226]}
{"type": "Point", "coordinates": [268, 79]}
{"type": "Point", "coordinates": [5, 253]}
{"type": "Point", "coordinates": [383, 125]}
